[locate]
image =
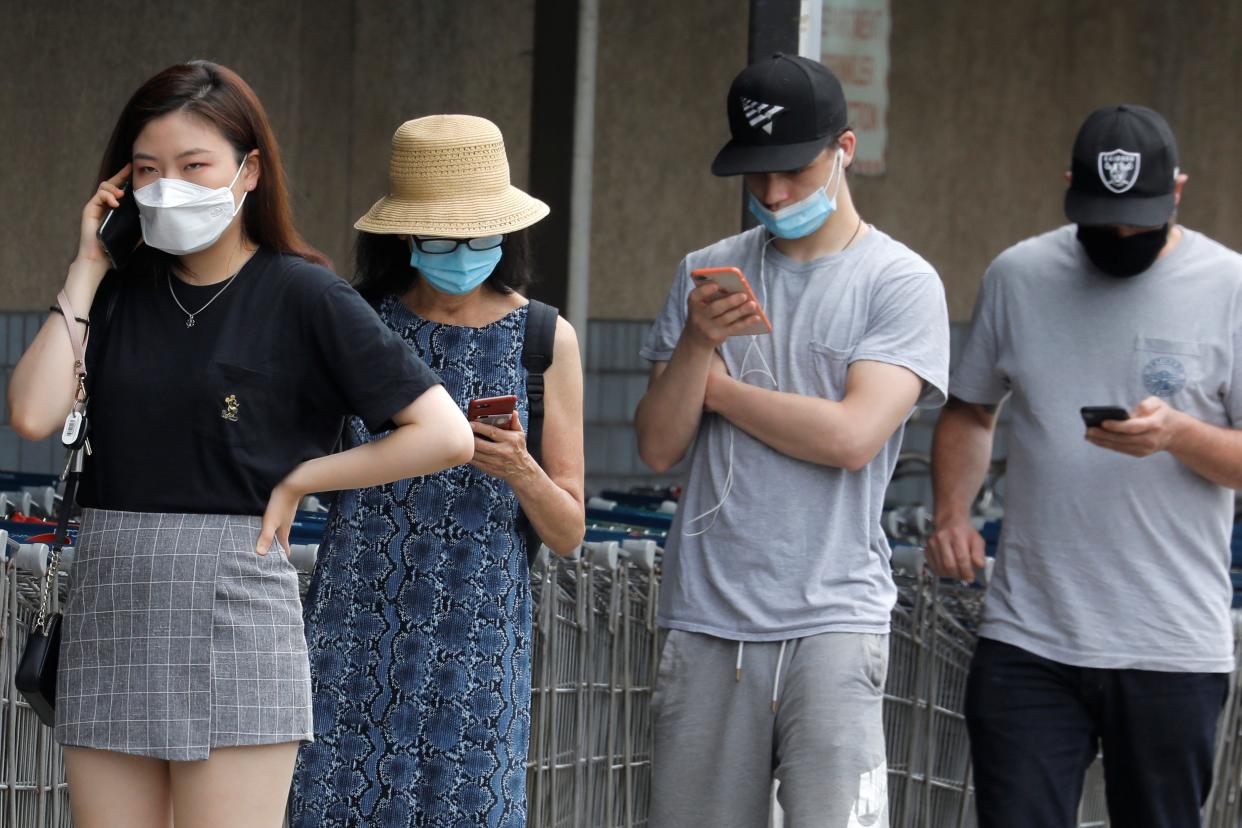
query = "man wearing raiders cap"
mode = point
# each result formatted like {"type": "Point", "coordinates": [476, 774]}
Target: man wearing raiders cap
{"type": "Point", "coordinates": [777, 591]}
{"type": "Point", "coordinates": [1107, 618]}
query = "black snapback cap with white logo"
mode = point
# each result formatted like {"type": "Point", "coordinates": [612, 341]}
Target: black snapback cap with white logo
{"type": "Point", "coordinates": [1123, 170]}
{"type": "Point", "coordinates": [782, 112]}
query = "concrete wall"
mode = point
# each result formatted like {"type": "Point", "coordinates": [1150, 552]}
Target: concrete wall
{"type": "Point", "coordinates": [985, 99]}
{"type": "Point", "coordinates": [659, 120]}
{"type": "Point", "coordinates": [336, 78]}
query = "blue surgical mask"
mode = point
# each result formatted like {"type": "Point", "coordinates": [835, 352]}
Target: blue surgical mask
{"type": "Point", "coordinates": [458, 272]}
{"type": "Point", "coordinates": [804, 217]}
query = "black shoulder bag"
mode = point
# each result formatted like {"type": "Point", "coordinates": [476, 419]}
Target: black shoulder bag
{"type": "Point", "coordinates": [539, 338]}
{"type": "Point", "coordinates": [36, 671]}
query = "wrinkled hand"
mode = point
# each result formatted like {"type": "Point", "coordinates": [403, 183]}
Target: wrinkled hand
{"type": "Point", "coordinates": [717, 375]}
{"type": "Point", "coordinates": [1153, 427]}
{"type": "Point", "coordinates": [502, 452]}
{"type": "Point", "coordinates": [713, 315]}
{"type": "Point", "coordinates": [955, 550]}
{"type": "Point", "coordinates": [282, 508]}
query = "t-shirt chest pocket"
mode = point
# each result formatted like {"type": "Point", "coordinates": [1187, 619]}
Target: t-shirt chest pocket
{"type": "Point", "coordinates": [235, 404]}
{"type": "Point", "coordinates": [1165, 368]}
{"type": "Point", "coordinates": [829, 367]}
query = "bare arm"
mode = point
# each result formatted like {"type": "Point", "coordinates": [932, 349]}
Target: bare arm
{"type": "Point", "coordinates": [43, 384]}
{"type": "Point", "coordinates": [1209, 450]}
{"type": "Point", "coordinates": [847, 434]}
{"type": "Point", "coordinates": [431, 434]}
{"type": "Point", "coordinates": [961, 453]}
{"type": "Point", "coordinates": [551, 495]}
{"type": "Point", "coordinates": [667, 418]}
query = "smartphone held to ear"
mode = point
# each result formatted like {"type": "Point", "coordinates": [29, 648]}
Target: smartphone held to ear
{"type": "Point", "coordinates": [730, 280]}
{"type": "Point", "coordinates": [121, 230]}
{"type": "Point", "coordinates": [1094, 415]}
{"type": "Point", "coordinates": [495, 411]}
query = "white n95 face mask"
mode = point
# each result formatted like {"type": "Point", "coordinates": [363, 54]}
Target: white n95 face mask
{"type": "Point", "coordinates": [181, 217]}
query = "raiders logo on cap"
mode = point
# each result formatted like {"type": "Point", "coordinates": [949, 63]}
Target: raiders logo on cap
{"type": "Point", "coordinates": [1119, 169]}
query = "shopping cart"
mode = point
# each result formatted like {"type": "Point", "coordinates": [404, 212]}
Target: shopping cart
{"type": "Point", "coordinates": [1224, 806]}
{"type": "Point", "coordinates": [592, 674]}
{"type": "Point", "coordinates": [933, 636]}
{"type": "Point", "coordinates": [593, 667]}
{"type": "Point", "coordinates": [33, 793]}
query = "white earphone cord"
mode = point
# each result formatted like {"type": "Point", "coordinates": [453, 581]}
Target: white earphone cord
{"type": "Point", "coordinates": [766, 370]}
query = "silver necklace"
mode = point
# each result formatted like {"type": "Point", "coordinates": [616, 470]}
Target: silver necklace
{"type": "Point", "coordinates": [189, 317]}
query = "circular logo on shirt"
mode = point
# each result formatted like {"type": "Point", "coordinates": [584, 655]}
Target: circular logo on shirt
{"type": "Point", "coordinates": [1164, 376]}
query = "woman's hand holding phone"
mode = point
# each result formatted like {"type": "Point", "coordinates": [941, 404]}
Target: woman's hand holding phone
{"type": "Point", "coordinates": [107, 197]}
{"type": "Point", "coordinates": [501, 451]}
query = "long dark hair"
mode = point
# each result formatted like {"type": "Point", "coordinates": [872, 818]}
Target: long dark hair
{"type": "Point", "coordinates": [219, 96]}
{"type": "Point", "coordinates": [382, 265]}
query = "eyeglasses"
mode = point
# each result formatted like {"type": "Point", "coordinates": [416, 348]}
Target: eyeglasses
{"type": "Point", "coordinates": [449, 245]}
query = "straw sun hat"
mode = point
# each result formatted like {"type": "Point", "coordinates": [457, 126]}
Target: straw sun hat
{"type": "Point", "coordinates": [448, 177]}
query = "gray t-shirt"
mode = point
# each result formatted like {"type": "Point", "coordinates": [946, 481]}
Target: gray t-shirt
{"type": "Point", "coordinates": [797, 549]}
{"type": "Point", "coordinates": [1107, 560]}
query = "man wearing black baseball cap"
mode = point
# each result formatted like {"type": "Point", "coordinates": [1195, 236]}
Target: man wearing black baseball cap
{"type": "Point", "coordinates": [1107, 620]}
{"type": "Point", "coordinates": [777, 592]}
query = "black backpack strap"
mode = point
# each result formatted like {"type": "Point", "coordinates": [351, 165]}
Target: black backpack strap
{"type": "Point", "coordinates": [537, 345]}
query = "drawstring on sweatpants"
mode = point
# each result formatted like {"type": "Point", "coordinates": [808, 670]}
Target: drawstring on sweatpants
{"type": "Point", "coordinates": [776, 682]}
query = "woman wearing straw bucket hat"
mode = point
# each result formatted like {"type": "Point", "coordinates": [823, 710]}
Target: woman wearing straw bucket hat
{"type": "Point", "coordinates": [418, 619]}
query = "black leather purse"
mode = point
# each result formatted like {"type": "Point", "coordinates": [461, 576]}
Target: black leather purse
{"type": "Point", "coordinates": [36, 671]}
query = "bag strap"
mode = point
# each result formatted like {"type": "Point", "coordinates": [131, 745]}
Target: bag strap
{"type": "Point", "coordinates": [540, 338]}
{"type": "Point", "coordinates": [79, 345]}
{"type": "Point", "coordinates": [538, 343]}
{"type": "Point", "coordinates": [73, 468]}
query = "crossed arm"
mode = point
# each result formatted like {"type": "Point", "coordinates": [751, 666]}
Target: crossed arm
{"type": "Point", "coordinates": [847, 434]}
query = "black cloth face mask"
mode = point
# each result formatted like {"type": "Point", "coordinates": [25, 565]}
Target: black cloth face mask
{"type": "Point", "coordinates": [1118, 255]}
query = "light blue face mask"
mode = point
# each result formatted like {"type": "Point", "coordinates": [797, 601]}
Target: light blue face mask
{"type": "Point", "coordinates": [802, 218]}
{"type": "Point", "coordinates": [458, 272]}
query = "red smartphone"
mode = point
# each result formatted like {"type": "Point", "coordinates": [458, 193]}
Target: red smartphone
{"type": "Point", "coordinates": [731, 280]}
{"type": "Point", "coordinates": [495, 411]}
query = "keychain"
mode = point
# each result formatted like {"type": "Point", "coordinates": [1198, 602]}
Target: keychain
{"type": "Point", "coordinates": [73, 435]}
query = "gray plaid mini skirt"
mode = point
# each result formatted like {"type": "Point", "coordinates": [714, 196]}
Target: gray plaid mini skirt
{"type": "Point", "coordinates": [178, 638]}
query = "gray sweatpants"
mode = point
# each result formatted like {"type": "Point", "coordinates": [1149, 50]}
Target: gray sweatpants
{"type": "Point", "coordinates": [718, 743]}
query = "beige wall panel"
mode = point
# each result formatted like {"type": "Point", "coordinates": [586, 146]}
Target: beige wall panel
{"type": "Point", "coordinates": [70, 67]}
{"type": "Point", "coordinates": [316, 138]}
{"type": "Point", "coordinates": [664, 69]}
{"type": "Point", "coordinates": [336, 77]}
{"type": "Point", "coordinates": [986, 99]}
{"type": "Point", "coordinates": [438, 56]}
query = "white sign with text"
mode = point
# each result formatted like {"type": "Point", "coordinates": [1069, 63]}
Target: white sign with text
{"type": "Point", "coordinates": [852, 41]}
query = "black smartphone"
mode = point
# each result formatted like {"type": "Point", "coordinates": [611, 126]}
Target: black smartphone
{"type": "Point", "coordinates": [1093, 415]}
{"type": "Point", "coordinates": [121, 230]}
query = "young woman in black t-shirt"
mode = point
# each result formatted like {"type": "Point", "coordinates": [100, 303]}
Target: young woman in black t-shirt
{"type": "Point", "coordinates": [222, 361]}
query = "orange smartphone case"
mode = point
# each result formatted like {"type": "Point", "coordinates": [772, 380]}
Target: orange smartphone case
{"type": "Point", "coordinates": [731, 280]}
